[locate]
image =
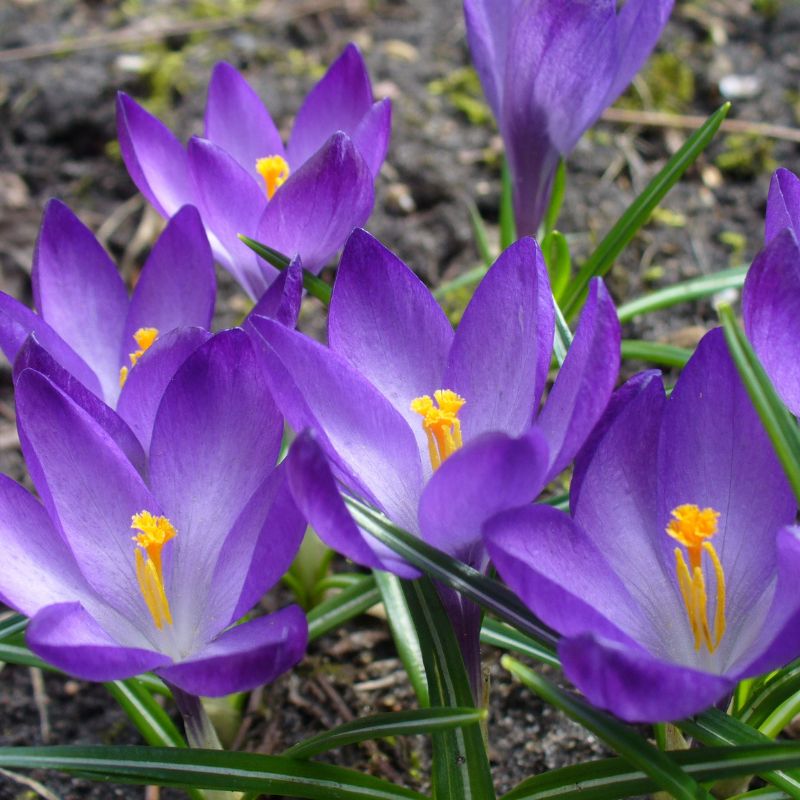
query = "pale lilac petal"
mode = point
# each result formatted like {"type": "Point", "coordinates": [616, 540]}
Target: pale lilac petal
{"type": "Point", "coordinates": [315, 491]}
{"type": "Point", "coordinates": [231, 201]}
{"type": "Point", "coordinates": [237, 121]}
{"type": "Point", "coordinates": [155, 159]}
{"type": "Point", "coordinates": [358, 428]}
{"type": "Point", "coordinates": [216, 437]}
{"type": "Point", "coordinates": [146, 382]}
{"type": "Point", "coordinates": [702, 461]}
{"type": "Point", "coordinates": [337, 103]}
{"type": "Point", "coordinates": [488, 475]}
{"type": "Point", "coordinates": [93, 488]}
{"type": "Point", "coordinates": [281, 301]}
{"type": "Point", "coordinates": [585, 381]}
{"type": "Point", "coordinates": [313, 213]}
{"type": "Point", "coordinates": [177, 286]}
{"type": "Point", "coordinates": [372, 135]}
{"type": "Point", "coordinates": [243, 657]}
{"type": "Point", "coordinates": [771, 311]}
{"type": "Point", "coordinates": [79, 292]}
{"type": "Point", "coordinates": [67, 637]}
{"type": "Point", "coordinates": [783, 205]}
{"type": "Point", "coordinates": [18, 322]}
{"type": "Point", "coordinates": [386, 323]}
{"type": "Point", "coordinates": [623, 680]}
{"type": "Point", "coordinates": [502, 348]}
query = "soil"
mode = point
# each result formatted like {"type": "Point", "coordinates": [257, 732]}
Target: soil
{"type": "Point", "coordinates": [57, 139]}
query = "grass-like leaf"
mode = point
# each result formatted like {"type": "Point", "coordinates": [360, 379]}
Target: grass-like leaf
{"type": "Point", "coordinates": [666, 355]}
{"type": "Point", "coordinates": [480, 234]}
{"type": "Point", "coordinates": [508, 226]}
{"type": "Point", "coordinates": [337, 610]}
{"type": "Point", "coordinates": [11, 625]}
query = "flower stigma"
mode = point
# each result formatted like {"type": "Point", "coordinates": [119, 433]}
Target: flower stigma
{"type": "Point", "coordinates": [154, 533]}
{"type": "Point", "coordinates": [440, 422]}
{"type": "Point", "coordinates": [275, 171]}
{"type": "Point", "coordinates": [692, 527]}
{"type": "Point", "coordinates": [144, 338]}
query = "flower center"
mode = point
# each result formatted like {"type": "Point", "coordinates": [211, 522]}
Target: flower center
{"type": "Point", "coordinates": [441, 423]}
{"type": "Point", "coordinates": [274, 170]}
{"type": "Point", "coordinates": [154, 533]}
{"type": "Point", "coordinates": [692, 527]}
{"type": "Point", "coordinates": [144, 338]}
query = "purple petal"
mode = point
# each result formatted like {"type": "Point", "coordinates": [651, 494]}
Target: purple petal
{"type": "Point", "coordinates": [231, 202]}
{"type": "Point", "coordinates": [317, 496]}
{"type": "Point", "coordinates": [146, 382]}
{"type": "Point", "coordinates": [177, 285]}
{"type": "Point", "coordinates": [501, 352]}
{"type": "Point", "coordinates": [281, 301]}
{"type": "Point", "coordinates": [244, 657]}
{"type": "Point", "coordinates": [155, 159]}
{"type": "Point", "coordinates": [357, 426]}
{"type": "Point", "coordinates": [215, 439]}
{"type": "Point", "coordinates": [715, 453]}
{"type": "Point", "coordinates": [622, 680]}
{"type": "Point", "coordinates": [585, 381]}
{"type": "Point", "coordinates": [560, 574]}
{"type": "Point", "coordinates": [783, 205]}
{"type": "Point", "coordinates": [488, 475]}
{"type": "Point", "coordinates": [237, 121]}
{"type": "Point", "coordinates": [372, 135]}
{"type": "Point", "coordinates": [771, 310]}
{"type": "Point", "coordinates": [17, 322]}
{"type": "Point", "coordinates": [92, 487]}
{"type": "Point", "coordinates": [38, 568]}
{"type": "Point", "coordinates": [313, 213]}
{"type": "Point", "coordinates": [386, 323]}
{"type": "Point", "coordinates": [67, 637]}
{"type": "Point", "coordinates": [337, 103]}
{"type": "Point", "coordinates": [79, 292]}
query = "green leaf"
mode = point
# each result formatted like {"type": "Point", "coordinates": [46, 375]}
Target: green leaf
{"type": "Point", "coordinates": [555, 250]}
{"type": "Point", "coordinates": [508, 227]}
{"type": "Point", "coordinates": [11, 625]}
{"type": "Point", "coordinates": [468, 278]}
{"type": "Point", "coordinates": [150, 719]}
{"type": "Point", "coordinates": [490, 595]}
{"type": "Point", "coordinates": [693, 289]}
{"type": "Point", "coordinates": [498, 634]}
{"type": "Point", "coordinates": [460, 767]}
{"type": "Point", "coordinates": [763, 701]}
{"type": "Point", "coordinates": [344, 606]}
{"type": "Point", "coordinates": [404, 633]}
{"type": "Point", "coordinates": [713, 727]}
{"type": "Point", "coordinates": [666, 355]}
{"type": "Point", "coordinates": [480, 234]}
{"type": "Point", "coordinates": [630, 745]}
{"type": "Point", "coordinates": [615, 241]}
{"type": "Point", "coordinates": [13, 652]}
{"type": "Point", "coordinates": [778, 422]}
{"type": "Point", "coordinates": [563, 338]}
{"type": "Point", "coordinates": [613, 778]}
{"type": "Point", "coordinates": [208, 769]}
{"type": "Point", "coordinates": [315, 286]}
{"type": "Point", "coordinates": [379, 726]}
{"type": "Point", "coordinates": [556, 201]}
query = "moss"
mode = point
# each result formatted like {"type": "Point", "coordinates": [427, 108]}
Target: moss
{"type": "Point", "coordinates": [737, 242]}
{"type": "Point", "coordinates": [666, 84]}
{"type": "Point", "coordinates": [745, 155]}
{"type": "Point", "coordinates": [767, 8]}
{"type": "Point", "coordinates": [463, 90]}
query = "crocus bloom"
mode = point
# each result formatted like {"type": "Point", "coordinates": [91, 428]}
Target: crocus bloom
{"type": "Point", "coordinates": [676, 576]}
{"type": "Point", "coordinates": [86, 320]}
{"type": "Point", "coordinates": [548, 69]}
{"type": "Point", "coordinates": [120, 575]}
{"type": "Point", "coordinates": [771, 296]}
{"type": "Point", "coordinates": [303, 199]}
{"type": "Point", "coordinates": [432, 426]}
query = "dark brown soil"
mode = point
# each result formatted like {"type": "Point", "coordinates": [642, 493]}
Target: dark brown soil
{"type": "Point", "coordinates": [57, 139]}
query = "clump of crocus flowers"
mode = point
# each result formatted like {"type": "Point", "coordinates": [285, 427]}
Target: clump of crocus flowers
{"type": "Point", "coordinates": [176, 469]}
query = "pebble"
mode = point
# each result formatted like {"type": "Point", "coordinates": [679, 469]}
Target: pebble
{"type": "Point", "coordinates": [740, 87]}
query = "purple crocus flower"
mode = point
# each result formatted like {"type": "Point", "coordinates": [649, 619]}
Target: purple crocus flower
{"type": "Point", "coordinates": [676, 576]}
{"type": "Point", "coordinates": [549, 68]}
{"type": "Point", "coordinates": [303, 199]}
{"type": "Point", "coordinates": [771, 296]}
{"type": "Point", "coordinates": [432, 426]}
{"type": "Point", "coordinates": [121, 575]}
{"type": "Point", "coordinates": [87, 322]}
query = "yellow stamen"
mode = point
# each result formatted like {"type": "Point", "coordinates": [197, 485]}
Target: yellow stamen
{"type": "Point", "coordinates": [440, 423]}
{"type": "Point", "coordinates": [144, 337]}
{"type": "Point", "coordinates": [275, 171]}
{"type": "Point", "coordinates": [692, 527]}
{"type": "Point", "coordinates": [154, 533]}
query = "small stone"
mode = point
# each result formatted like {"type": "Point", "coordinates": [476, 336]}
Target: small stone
{"type": "Point", "coordinates": [13, 191]}
{"type": "Point", "coordinates": [740, 87]}
{"type": "Point", "coordinates": [399, 200]}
